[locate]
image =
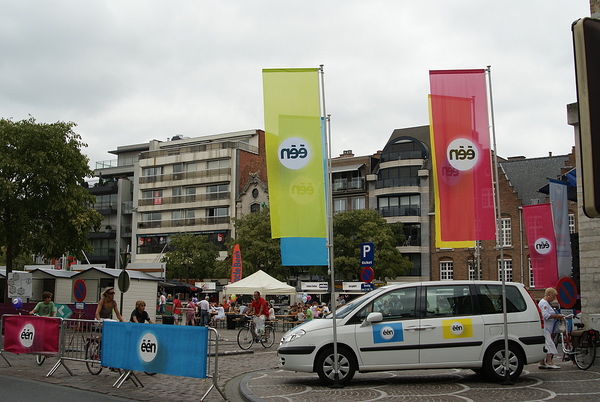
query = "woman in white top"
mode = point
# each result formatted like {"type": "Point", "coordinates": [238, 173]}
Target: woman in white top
{"type": "Point", "coordinates": [549, 316]}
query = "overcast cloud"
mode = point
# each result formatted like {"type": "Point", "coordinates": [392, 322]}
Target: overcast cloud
{"type": "Point", "coordinates": [130, 71]}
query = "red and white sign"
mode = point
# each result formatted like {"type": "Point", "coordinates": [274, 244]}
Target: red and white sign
{"type": "Point", "coordinates": [542, 244]}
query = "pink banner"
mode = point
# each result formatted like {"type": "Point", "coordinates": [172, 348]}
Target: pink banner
{"type": "Point", "coordinates": [462, 157]}
{"type": "Point", "coordinates": [539, 227]}
{"type": "Point", "coordinates": [236, 264]}
{"type": "Point", "coordinates": [31, 334]}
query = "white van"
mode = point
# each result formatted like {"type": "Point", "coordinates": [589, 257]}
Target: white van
{"type": "Point", "coordinates": [452, 324]}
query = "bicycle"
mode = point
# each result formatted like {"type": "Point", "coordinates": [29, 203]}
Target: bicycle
{"type": "Point", "coordinates": [247, 335]}
{"type": "Point", "coordinates": [584, 351]}
{"type": "Point", "coordinates": [562, 337]}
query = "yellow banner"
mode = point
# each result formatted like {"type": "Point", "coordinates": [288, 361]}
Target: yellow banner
{"type": "Point", "coordinates": [457, 328]}
{"type": "Point", "coordinates": [294, 150]}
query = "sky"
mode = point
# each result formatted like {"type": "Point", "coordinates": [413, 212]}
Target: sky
{"type": "Point", "coordinates": [127, 72]}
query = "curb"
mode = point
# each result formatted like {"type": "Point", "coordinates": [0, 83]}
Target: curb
{"type": "Point", "coordinates": [245, 391]}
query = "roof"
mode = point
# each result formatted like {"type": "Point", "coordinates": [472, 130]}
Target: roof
{"type": "Point", "coordinates": [528, 175]}
{"type": "Point", "coordinates": [116, 272]}
{"type": "Point", "coordinates": [346, 168]}
{"type": "Point", "coordinates": [58, 273]}
{"type": "Point", "coordinates": [259, 281]}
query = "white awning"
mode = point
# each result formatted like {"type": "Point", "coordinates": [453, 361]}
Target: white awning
{"type": "Point", "coordinates": [346, 168]}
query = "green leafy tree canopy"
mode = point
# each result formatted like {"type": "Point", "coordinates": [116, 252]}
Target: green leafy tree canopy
{"type": "Point", "coordinates": [352, 228]}
{"type": "Point", "coordinates": [44, 208]}
{"type": "Point", "coordinates": [193, 256]}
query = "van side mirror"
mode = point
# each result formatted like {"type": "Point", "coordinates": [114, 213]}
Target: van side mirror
{"type": "Point", "coordinates": [371, 318]}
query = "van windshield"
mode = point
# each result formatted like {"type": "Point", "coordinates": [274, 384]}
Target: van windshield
{"type": "Point", "coordinates": [351, 305]}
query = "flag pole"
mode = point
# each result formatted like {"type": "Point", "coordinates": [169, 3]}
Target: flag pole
{"type": "Point", "coordinates": [499, 240]}
{"type": "Point", "coordinates": [329, 209]}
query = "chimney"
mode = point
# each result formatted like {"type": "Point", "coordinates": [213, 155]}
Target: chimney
{"type": "Point", "coordinates": [549, 153]}
{"type": "Point", "coordinates": [347, 154]}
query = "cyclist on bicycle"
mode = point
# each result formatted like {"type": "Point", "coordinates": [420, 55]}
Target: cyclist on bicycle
{"type": "Point", "coordinates": [549, 315]}
{"type": "Point", "coordinates": [45, 308]}
{"type": "Point", "coordinates": [259, 309]}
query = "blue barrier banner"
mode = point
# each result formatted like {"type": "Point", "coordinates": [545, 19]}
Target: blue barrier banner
{"type": "Point", "coordinates": [165, 349]}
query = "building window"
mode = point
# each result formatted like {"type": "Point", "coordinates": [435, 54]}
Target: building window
{"type": "Point", "coordinates": [400, 176]}
{"type": "Point", "coordinates": [221, 163]}
{"type": "Point", "coordinates": [217, 191]}
{"type": "Point", "coordinates": [152, 171]}
{"type": "Point", "coordinates": [254, 208]}
{"type": "Point", "coordinates": [531, 280]}
{"type": "Point", "coordinates": [191, 167]}
{"type": "Point", "coordinates": [178, 168]}
{"type": "Point", "coordinates": [508, 270]}
{"type": "Point", "coordinates": [339, 205]}
{"type": "Point", "coordinates": [506, 232]}
{"type": "Point", "coordinates": [446, 270]}
{"type": "Point", "coordinates": [255, 193]}
{"type": "Point", "coordinates": [406, 205]}
{"type": "Point", "coordinates": [150, 220]}
{"type": "Point", "coordinates": [404, 148]}
{"type": "Point", "coordinates": [358, 203]}
{"type": "Point", "coordinates": [571, 223]}
{"type": "Point", "coordinates": [473, 271]}
{"type": "Point", "coordinates": [155, 195]}
{"type": "Point", "coordinates": [190, 194]}
{"type": "Point", "coordinates": [412, 234]}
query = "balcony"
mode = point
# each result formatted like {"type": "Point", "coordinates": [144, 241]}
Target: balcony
{"type": "Point", "coordinates": [398, 182]}
{"type": "Point", "coordinates": [183, 222]}
{"type": "Point", "coordinates": [352, 184]}
{"type": "Point", "coordinates": [178, 199]}
{"type": "Point", "coordinates": [185, 175]}
{"type": "Point", "coordinates": [402, 210]}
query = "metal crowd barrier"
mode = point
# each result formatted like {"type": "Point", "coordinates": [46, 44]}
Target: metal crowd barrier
{"type": "Point", "coordinates": [80, 340]}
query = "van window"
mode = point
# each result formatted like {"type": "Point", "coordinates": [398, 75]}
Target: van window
{"type": "Point", "coordinates": [394, 305]}
{"type": "Point", "coordinates": [490, 299]}
{"type": "Point", "coordinates": [448, 300]}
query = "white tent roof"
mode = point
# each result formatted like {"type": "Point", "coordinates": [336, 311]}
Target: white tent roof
{"type": "Point", "coordinates": [262, 282]}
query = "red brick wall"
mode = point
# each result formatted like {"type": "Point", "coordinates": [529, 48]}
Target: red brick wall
{"type": "Point", "coordinates": [252, 163]}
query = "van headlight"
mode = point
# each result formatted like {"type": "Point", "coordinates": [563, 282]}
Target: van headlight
{"type": "Point", "coordinates": [293, 336]}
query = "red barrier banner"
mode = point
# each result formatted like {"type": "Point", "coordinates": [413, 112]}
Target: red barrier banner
{"type": "Point", "coordinates": [31, 334]}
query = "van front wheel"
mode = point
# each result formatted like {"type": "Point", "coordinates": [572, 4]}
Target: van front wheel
{"type": "Point", "coordinates": [326, 369]}
{"type": "Point", "coordinates": [494, 363]}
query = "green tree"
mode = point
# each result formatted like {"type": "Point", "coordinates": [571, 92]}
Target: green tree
{"type": "Point", "coordinates": [259, 250]}
{"type": "Point", "coordinates": [193, 256]}
{"type": "Point", "coordinates": [44, 208]}
{"type": "Point", "coordinates": [352, 228]}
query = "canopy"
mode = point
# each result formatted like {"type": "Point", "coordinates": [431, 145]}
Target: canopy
{"type": "Point", "coordinates": [262, 282]}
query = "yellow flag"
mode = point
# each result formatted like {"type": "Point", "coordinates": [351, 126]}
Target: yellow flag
{"type": "Point", "coordinates": [294, 150]}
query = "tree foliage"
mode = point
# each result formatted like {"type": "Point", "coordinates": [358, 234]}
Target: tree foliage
{"type": "Point", "coordinates": [193, 256]}
{"type": "Point", "coordinates": [352, 228]}
{"type": "Point", "coordinates": [259, 251]}
{"type": "Point", "coordinates": [44, 209]}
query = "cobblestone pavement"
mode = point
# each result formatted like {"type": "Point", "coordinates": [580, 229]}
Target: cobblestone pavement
{"type": "Point", "coordinates": [256, 377]}
{"type": "Point", "coordinates": [569, 383]}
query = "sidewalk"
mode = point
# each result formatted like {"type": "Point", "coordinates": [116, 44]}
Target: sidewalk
{"type": "Point", "coordinates": [255, 376]}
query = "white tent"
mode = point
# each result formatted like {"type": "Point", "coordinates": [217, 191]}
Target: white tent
{"type": "Point", "coordinates": [259, 281]}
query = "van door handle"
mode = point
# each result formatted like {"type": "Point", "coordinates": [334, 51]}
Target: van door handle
{"type": "Point", "coordinates": [426, 327]}
{"type": "Point", "coordinates": [413, 328]}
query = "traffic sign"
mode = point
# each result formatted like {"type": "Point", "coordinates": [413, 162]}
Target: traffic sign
{"type": "Point", "coordinates": [80, 306]}
{"type": "Point", "coordinates": [367, 275]}
{"type": "Point", "coordinates": [63, 311]}
{"type": "Point", "coordinates": [123, 281]}
{"type": "Point", "coordinates": [79, 290]}
{"type": "Point", "coordinates": [367, 287]}
{"type": "Point", "coordinates": [367, 254]}
{"type": "Point", "coordinates": [567, 292]}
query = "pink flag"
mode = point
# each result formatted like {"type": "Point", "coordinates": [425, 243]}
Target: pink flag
{"type": "Point", "coordinates": [462, 157]}
{"type": "Point", "coordinates": [539, 227]}
{"type": "Point", "coordinates": [236, 264]}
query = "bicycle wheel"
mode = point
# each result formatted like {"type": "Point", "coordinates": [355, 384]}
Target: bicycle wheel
{"type": "Point", "coordinates": [92, 356]}
{"type": "Point", "coordinates": [245, 338]}
{"type": "Point", "coordinates": [268, 337]}
{"type": "Point", "coordinates": [40, 359]}
{"type": "Point", "coordinates": [585, 355]}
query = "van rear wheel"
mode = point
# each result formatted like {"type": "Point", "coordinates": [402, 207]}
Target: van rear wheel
{"type": "Point", "coordinates": [494, 363]}
{"type": "Point", "coordinates": [326, 370]}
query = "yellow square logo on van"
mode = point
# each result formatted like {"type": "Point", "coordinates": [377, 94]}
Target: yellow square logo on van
{"type": "Point", "coordinates": [457, 328]}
